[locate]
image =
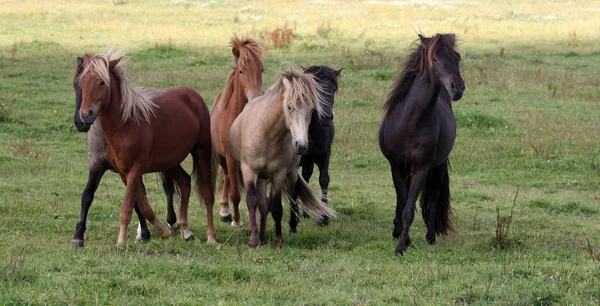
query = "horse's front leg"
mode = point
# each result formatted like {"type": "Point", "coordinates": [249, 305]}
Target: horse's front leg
{"type": "Point", "coordinates": [250, 179]}
{"type": "Point", "coordinates": [263, 207]}
{"type": "Point", "coordinates": [96, 171]}
{"type": "Point", "coordinates": [416, 186]}
{"type": "Point", "coordinates": [276, 207]}
{"type": "Point", "coordinates": [169, 188]}
{"type": "Point", "coordinates": [323, 164]}
{"type": "Point", "coordinates": [135, 192]}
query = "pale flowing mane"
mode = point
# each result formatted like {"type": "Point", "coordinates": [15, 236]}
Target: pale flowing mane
{"type": "Point", "coordinates": [304, 94]}
{"type": "Point", "coordinates": [249, 51]}
{"type": "Point", "coordinates": [136, 104]}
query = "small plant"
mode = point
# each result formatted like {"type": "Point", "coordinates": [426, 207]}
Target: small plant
{"type": "Point", "coordinates": [572, 41]}
{"type": "Point", "coordinates": [4, 114]}
{"type": "Point", "coordinates": [22, 148]}
{"type": "Point", "coordinates": [503, 224]}
{"type": "Point", "coordinates": [323, 30]}
{"type": "Point", "coordinates": [281, 38]}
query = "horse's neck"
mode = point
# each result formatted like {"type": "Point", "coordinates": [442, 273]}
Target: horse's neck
{"type": "Point", "coordinates": [420, 102]}
{"type": "Point", "coordinates": [238, 99]}
{"type": "Point", "coordinates": [110, 116]}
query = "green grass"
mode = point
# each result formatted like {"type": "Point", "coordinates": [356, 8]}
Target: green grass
{"type": "Point", "coordinates": [529, 119]}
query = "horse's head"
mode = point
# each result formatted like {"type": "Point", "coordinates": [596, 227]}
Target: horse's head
{"type": "Point", "coordinates": [444, 61]}
{"type": "Point", "coordinates": [301, 95]}
{"type": "Point", "coordinates": [327, 79]}
{"type": "Point", "coordinates": [94, 82]}
{"type": "Point", "coordinates": [77, 122]}
{"type": "Point", "coordinates": [248, 65]}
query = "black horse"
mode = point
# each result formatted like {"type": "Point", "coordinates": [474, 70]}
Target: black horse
{"type": "Point", "coordinates": [417, 134]}
{"type": "Point", "coordinates": [99, 164]}
{"type": "Point", "coordinates": [320, 134]}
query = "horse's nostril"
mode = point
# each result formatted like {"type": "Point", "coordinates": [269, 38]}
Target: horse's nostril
{"type": "Point", "coordinates": [453, 85]}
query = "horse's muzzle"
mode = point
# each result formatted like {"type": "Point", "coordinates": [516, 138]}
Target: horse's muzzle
{"type": "Point", "coordinates": [81, 126]}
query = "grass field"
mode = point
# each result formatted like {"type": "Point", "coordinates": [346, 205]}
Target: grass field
{"type": "Point", "coordinates": [529, 121]}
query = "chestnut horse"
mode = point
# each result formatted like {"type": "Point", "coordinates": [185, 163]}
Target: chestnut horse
{"type": "Point", "coordinates": [147, 135]}
{"type": "Point", "coordinates": [99, 164]}
{"type": "Point", "coordinates": [417, 135]}
{"type": "Point", "coordinates": [243, 82]}
{"type": "Point", "coordinates": [267, 140]}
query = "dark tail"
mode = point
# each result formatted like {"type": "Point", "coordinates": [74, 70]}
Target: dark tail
{"type": "Point", "coordinates": [437, 190]}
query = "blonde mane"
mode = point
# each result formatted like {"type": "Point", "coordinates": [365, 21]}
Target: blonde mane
{"type": "Point", "coordinates": [136, 104]}
{"type": "Point", "coordinates": [303, 94]}
{"type": "Point", "coordinates": [249, 51]}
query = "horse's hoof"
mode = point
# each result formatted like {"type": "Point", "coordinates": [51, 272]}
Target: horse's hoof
{"type": "Point", "coordinates": [293, 230]}
{"type": "Point", "coordinates": [278, 242]}
{"type": "Point", "coordinates": [430, 238]}
{"type": "Point", "coordinates": [237, 224]}
{"type": "Point", "coordinates": [187, 235]}
{"type": "Point", "coordinates": [401, 249]}
{"type": "Point", "coordinates": [173, 227]}
{"type": "Point", "coordinates": [226, 219]}
{"type": "Point", "coordinates": [253, 243]}
{"type": "Point", "coordinates": [142, 238]}
{"type": "Point", "coordinates": [211, 240]}
{"type": "Point", "coordinates": [77, 243]}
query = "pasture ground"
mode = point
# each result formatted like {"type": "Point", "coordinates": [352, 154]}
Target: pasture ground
{"type": "Point", "coordinates": [529, 120]}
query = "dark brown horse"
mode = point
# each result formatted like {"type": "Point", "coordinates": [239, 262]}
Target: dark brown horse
{"type": "Point", "coordinates": [320, 137]}
{"type": "Point", "coordinates": [243, 82]}
{"type": "Point", "coordinates": [149, 135]}
{"type": "Point", "coordinates": [417, 135]}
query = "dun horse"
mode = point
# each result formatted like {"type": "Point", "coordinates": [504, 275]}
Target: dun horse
{"type": "Point", "coordinates": [243, 82]}
{"type": "Point", "coordinates": [99, 164]}
{"type": "Point", "coordinates": [417, 134]}
{"type": "Point", "coordinates": [320, 137]}
{"type": "Point", "coordinates": [149, 135]}
{"type": "Point", "coordinates": [267, 140]}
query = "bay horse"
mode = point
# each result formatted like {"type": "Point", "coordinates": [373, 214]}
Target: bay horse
{"type": "Point", "coordinates": [417, 134]}
{"type": "Point", "coordinates": [267, 140]}
{"type": "Point", "coordinates": [243, 82]}
{"type": "Point", "coordinates": [149, 134]}
{"type": "Point", "coordinates": [321, 132]}
{"type": "Point", "coordinates": [99, 164]}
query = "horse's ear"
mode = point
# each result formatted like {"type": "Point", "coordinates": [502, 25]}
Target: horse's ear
{"type": "Point", "coordinates": [112, 64]}
{"type": "Point", "coordinates": [286, 82]}
{"type": "Point", "coordinates": [337, 72]}
{"type": "Point", "coordinates": [79, 61]}
{"type": "Point", "coordinates": [303, 68]}
{"type": "Point", "coordinates": [235, 52]}
{"type": "Point", "coordinates": [424, 40]}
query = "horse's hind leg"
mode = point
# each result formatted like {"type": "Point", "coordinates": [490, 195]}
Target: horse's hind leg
{"type": "Point", "coordinates": [224, 203]}
{"type": "Point", "coordinates": [323, 164]}
{"type": "Point", "coordinates": [204, 177]}
{"type": "Point", "coordinates": [169, 187]}
{"type": "Point", "coordinates": [435, 203]}
{"type": "Point", "coordinates": [307, 163]}
{"type": "Point", "coordinates": [96, 171]}
{"type": "Point", "coordinates": [263, 207]}
{"type": "Point", "coordinates": [417, 181]}
{"type": "Point", "coordinates": [143, 234]}
{"type": "Point", "coordinates": [184, 182]}
{"type": "Point", "coordinates": [293, 194]}
{"type": "Point", "coordinates": [234, 190]}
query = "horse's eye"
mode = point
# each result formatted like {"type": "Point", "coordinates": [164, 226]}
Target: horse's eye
{"type": "Point", "coordinates": [241, 72]}
{"type": "Point", "coordinates": [102, 83]}
{"type": "Point", "coordinates": [289, 108]}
